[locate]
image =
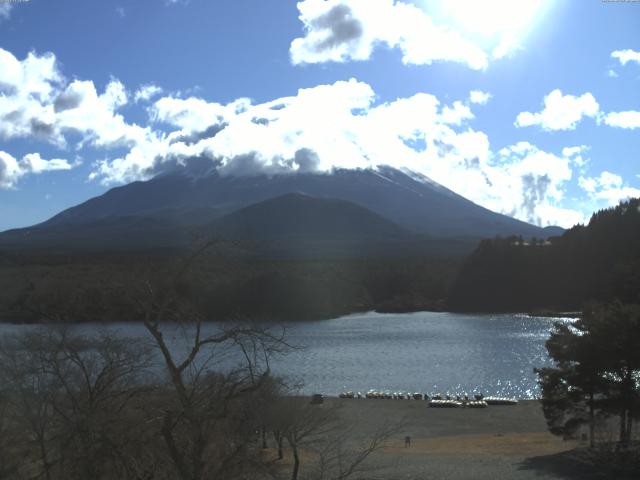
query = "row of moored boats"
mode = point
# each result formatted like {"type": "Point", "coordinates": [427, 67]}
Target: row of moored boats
{"type": "Point", "coordinates": [435, 401]}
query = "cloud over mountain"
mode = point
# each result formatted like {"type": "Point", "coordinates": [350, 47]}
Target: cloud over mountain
{"type": "Point", "coordinates": [343, 126]}
{"type": "Point", "coordinates": [338, 125]}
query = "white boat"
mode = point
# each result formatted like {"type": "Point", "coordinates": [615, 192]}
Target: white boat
{"type": "Point", "coordinates": [445, 404]}
{"type": "Point", "coordinates": [476, 404]}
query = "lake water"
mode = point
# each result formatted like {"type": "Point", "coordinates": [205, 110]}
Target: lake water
{"type": "Point", "coordinates": [422, 352]}
{"type": "Point", "coordinates": [417, 352]}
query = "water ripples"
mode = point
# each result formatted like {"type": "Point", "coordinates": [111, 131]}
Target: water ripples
{"type": "Point", "coordinates": [424, 352]}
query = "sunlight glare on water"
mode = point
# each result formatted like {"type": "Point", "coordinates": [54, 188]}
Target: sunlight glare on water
{"type": "Point", "coordinates": [425, 352]}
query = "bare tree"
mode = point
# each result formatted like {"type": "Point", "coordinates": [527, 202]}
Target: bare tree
{"type": "Point", "coordinates": [207, 429]}
{"type": "Point", "coordinates": [333, 450]}
{"type": "Point", "coordinates": [9, 461]}
{"type": "Point", "coordinates": [71, 397]}
{"type": "Point", "coordinates": [306, 423]}
{"type": "Point", "coordinates": [206, 426]}
{"type": "Point", "coordinates": [340, 457]}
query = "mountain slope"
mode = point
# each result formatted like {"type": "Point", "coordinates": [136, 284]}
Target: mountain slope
{"type": "Point", "coordinates": [410, 200]}
{"type": "Point", "coordinates": [300, 215]}
{"type": "Point", "coordinates": [295, 225]}
{"type": "Point", "coordinates": [110, 234]}
{"type": "Point", "coordinates": [292, 225]}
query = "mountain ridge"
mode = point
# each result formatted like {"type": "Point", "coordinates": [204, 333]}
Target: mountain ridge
{"type": "Point", "coordinates": [408, 199]}
{"type": "Point", "coordinates": [171, 210]}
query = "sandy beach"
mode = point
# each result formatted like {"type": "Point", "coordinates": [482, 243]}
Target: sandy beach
{"type": "Point", "coordinates": [497, 442]}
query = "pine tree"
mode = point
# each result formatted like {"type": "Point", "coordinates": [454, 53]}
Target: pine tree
{"type": "Point", "coordinates": [597, 369]}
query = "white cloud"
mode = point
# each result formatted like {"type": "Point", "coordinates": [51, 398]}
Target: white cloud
{"type": "Point", "coordinates": [576, 155]}
{"type": "Point", "coordinates": [507, 47]}
{"type": "Point", "coordinates": [341, 125]}
{"type": "Point", "coordinates": [147, 92]}
{"type": "Point", "coordinates": [608, 188]}
{"type": "Point", "coordinates": [625, 56]}
{"type": "Point", "coordinates": [611, 73]}
{"type": "Point", "coordinates": [338, 122]}
{"type": "Point", "coordinates": [533, 182]}
{"type": "Point", "coordinates": [11, 170]}
{"type": "Point", "coordinates": [564, 112]}
{"type": "Point", "coordinates": [628, 120]}
{"type": "Point", "coordinates": [457, 114]}
{"type": "Point", "coordinates": [27, 90]}
{"type": "Point", "coordinates": [193, 113]}
{"type": "Point", "coordinates": [35, 75]}
{"type": "Point", "coordinates": [33, 163]}
{"type": "Point", "coordinates": [38, 102]}
{"type": "Point", "coordinates": [561, 112]}
{"type": "Point", "coordinates": [342, 30]}
{"type": "Point", "coordinates": [571, 151]}
{"type": "Point", "coordinates": [94, 117]}
{"type": "Point", "coordinates": [479, 97]}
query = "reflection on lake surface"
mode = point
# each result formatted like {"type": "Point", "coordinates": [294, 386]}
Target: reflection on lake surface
{"type": "Point", "coordinates": [416, 352]}
{"type": "Point", "coordinates": [422, 352]}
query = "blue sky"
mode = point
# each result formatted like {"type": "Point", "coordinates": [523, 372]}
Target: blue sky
{"type": "Point", "coordinates": [530, 108]}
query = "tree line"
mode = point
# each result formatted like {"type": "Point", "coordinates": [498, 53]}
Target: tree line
{"type": "Point", "coordinates": [599, 261]}
{"type": "Point", "coordinates": [87, 289]}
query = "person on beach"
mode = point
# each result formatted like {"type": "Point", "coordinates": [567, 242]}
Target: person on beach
{"type": "Point", "coordinates": [407, 441]}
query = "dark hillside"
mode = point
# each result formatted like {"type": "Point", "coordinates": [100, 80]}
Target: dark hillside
{"type": "Point", "coordinates": [599, 261]}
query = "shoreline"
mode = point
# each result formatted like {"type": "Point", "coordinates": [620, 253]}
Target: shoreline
{"type": "Point", "coordinates": [460, 443]}
{"type": "Point", "coordinates": [333, 397]}
{"type": "Point", "coordinates": [432, 308]}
